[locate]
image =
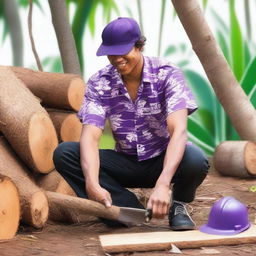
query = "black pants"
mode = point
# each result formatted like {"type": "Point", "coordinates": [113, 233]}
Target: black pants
{"type": "Point", "coordinates": [119, 171]}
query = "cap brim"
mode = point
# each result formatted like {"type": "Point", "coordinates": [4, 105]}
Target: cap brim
{"type": "Point", "coordinates": [114, 49]}
{"type": "Point", "coordinates": [208, 230]}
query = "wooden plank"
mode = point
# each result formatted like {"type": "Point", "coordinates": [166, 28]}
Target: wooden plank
{"type": "Point", "coordinates": [152, 241]}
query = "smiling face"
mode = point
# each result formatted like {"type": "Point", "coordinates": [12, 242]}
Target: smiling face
{"type": "Point", "coordinates": [129, 64]}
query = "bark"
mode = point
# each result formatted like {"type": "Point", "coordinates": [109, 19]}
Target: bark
{"type": "Point", "coordinates": [229, 92]}
{"type": "Point", "coordinates": [54, 182]}
{"type": "Point", "coordinates": [67, 125]}
{"type": "Point", "coordinates": [65, 208]}
{"type": "Point", "coordinates": [65, 37]}
{"type": "Point", "coordinates": [236, 158]}
{"type": "Point", "coordinates": [25, 123]}
{"type": "Point", "coordinates": [14, 25]}
{"type": "Point", "coordinates": [34, 204]}
{"type": "Point", "coordinates": [9, 208]}
{"type": "Point", "coordinates": [64, 91]}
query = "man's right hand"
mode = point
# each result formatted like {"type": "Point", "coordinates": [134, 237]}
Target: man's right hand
{"type": "Point", "coordinates": [99, 194]}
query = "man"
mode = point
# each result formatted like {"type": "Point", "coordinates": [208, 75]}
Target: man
{"type": "Point", "coordinates": [147, 103]}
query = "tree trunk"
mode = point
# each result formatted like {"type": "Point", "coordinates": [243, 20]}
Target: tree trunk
{"type": "Point", "coordinates": [14, 25]}
{"type": "Point", "coordinates": [9, 208]}
{"type": "Point", "coordinates": [25, 124]}
{"type": "Point", "coordinates": [54, 182]}
{"type": "Point", "coordinates": [67, 125]}
{"type": "Point", "coordinates": [225, 85]}
{"type": "Point", "coordinates": [64, 91]}
{"type": "Point", "coordinates": [236, 158]}
{"type": "Point", "coordinates": [65, 37]}
{"type": "Point", "coordinates": [64, 208]}
{"type": "Point", "coordinates": [33, 201]}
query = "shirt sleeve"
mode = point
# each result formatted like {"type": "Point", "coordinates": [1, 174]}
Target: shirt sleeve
{"type": "Point", "coordinates": [177, 94]}
{"type": "Point", "coordinates": [92, 111]}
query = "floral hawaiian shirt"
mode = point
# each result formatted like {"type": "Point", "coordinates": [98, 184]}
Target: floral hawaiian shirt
{"type": "Point", "coordinates": [139, 127]}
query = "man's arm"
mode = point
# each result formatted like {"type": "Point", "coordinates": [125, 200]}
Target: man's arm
{"type": "Point", "coordinates": [90, 163]}
{"type": "Point", "coordinates": [159, 200]}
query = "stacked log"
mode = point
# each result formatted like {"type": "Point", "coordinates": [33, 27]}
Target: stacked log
{"type": "Point", "coordinates": [28, 138]}
{"type": "Point", "coordinates": [34, 203]}
{"type": "Point", "coordinates": [9, 208]}
{"type": "Point", "coordinates": [67, 125]}
{"type": "Point", "coordinates": [25, 123]}
{"type": "Point", "coordinates": [54, 182]}
{"type": "Point", "coordinates": [61, 91]}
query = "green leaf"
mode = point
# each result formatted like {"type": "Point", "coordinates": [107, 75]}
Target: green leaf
{"type": "Point", "coordinates": [247, 53]}
{"type": "Point", "coordinates": [236, 42]}
{"type": "Point", "coordinates": [183, 63]}
{"type": "Point", "coordinates": [220, 22]}
{"type": "Point", "coordinates": [200, 132]}
{"type": "Point", "coordinates": [252, 96]}
{"type": "Point", "coordinates": [223, 45]}
{"type": "Point", "coordinates": [129, 11]}
{"type": "Point", "coordinates": [248, 80]}
{"type": "Point", "coordinates": [205, 3]}
{"type": "Point", "coordinates": [207, 149]}
{"type": "Point", "coordinates": [170, 50]}
{"type": "Point", "coordinates": [52, 64]}
{"type": "Point", "coordinates": [91, 22]}
{"type": "Point", "coordinates": [204, 97]}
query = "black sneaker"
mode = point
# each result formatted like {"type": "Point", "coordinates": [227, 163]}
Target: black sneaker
{"type": "Point", "coordinates": [179, 218]}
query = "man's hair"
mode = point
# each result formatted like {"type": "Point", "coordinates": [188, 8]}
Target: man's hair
{"type": "Point", "coordinates": [141, 42]}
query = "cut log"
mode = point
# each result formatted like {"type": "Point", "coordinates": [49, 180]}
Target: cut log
{"type": "Point", "coordinates": [67, 125]}
{"type": "Point", "coordinates": [34, 204]}
{"type": "Point", "coordinates": [65, 208]}
{"type": "Point", "coordinates": [54, 182]}
{"type": "Point", "coordinates": [9, 208]}
{"type": "Point", "coordinates": [25, 123]}
{"type": "Point", "coordinates": [64, 91]}
{"type": "Point", "coordinates": [155, 241]}
{"type": "Point", "coordinates": [236, 158]}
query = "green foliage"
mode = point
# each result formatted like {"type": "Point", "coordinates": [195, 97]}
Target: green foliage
{"type": "Point", "coordinates": [85, 16]}
{"type": "Point", "coordinates": [236, 43]}
{"type": "Point", "coordinates": [210, 125]}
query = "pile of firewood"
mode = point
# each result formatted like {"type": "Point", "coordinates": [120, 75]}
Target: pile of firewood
{"type": "Point", "coordinates": [37, 111]}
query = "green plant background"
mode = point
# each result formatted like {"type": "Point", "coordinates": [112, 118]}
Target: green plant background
{"type": "Point", "coordinates": [209, 125]}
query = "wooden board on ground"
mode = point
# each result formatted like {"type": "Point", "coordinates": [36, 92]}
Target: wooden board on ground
{"type": "Point", "coordinates": [155, 241]}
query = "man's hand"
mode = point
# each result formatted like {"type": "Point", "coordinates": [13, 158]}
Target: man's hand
{"type": "Point", "coordinates": [99, 194]}
{"type": "Point", "coordinates": [159, 201]}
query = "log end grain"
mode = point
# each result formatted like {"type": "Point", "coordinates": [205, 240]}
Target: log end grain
{"type": "Point", "coordinates": [9, 208]}
{"type": "Point", "coordinates": [39, 209]}
{"type": "Point", "coordinates": [71, 128]}
{"type": "Point", "coordinates": [42, 142]}
{"type": "Point", "coordinates": [76, 93]}
{"type": "Point", "coordinates": [250, 157]}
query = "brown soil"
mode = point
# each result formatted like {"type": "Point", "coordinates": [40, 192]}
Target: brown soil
{"type": "Point", "coordinates": [82, 239]}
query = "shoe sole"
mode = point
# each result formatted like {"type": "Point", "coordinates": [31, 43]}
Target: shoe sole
{"type": "Point", "coordinates": [183, 228]}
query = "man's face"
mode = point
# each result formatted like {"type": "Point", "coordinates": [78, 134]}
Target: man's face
{"type": "Point", "coordinates": [126, 64]}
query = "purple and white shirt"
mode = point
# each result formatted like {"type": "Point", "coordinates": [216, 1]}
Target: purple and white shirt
{"type": "Point", "coordinates": [139, 127]}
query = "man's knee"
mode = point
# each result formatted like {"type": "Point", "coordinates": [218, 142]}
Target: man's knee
{"type": "Point", "coordinates": [195, 163]}
{"type": "Point", "coordinates": [61, 153]}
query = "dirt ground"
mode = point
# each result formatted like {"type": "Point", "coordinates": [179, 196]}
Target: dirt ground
{"type": "Point", "coordinates": [82, 239]}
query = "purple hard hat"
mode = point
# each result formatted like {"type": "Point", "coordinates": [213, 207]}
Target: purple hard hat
{"type": "Point", "coordinates": [228, 216]}
{"type": "Point", "coordinates": [119, 37]}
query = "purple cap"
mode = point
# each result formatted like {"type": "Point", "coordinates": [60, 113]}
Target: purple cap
{"type": "Point", "coordinates": [119, 37]}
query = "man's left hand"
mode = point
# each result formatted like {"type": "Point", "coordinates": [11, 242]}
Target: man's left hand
{"type": "Point", "coordinates": [159, 201]}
